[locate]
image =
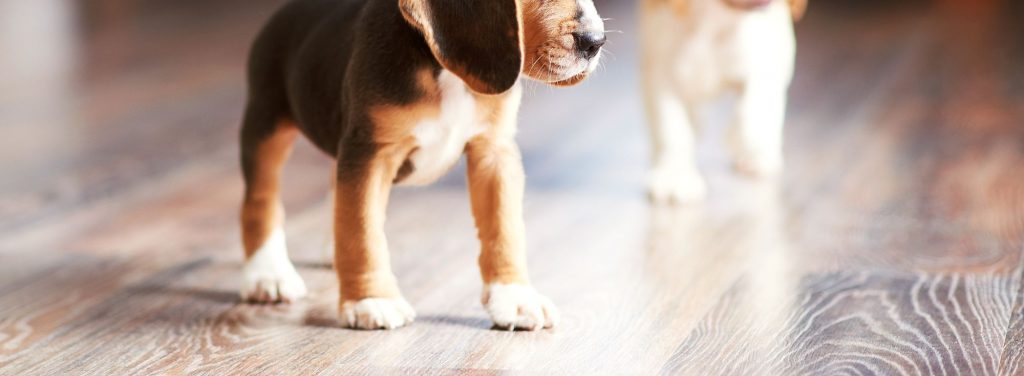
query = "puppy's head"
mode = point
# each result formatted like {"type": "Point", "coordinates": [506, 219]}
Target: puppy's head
{"type": "Point", "coordinates": [490, 43]}
{"type": "Point", "coordinates": [797, 7]}
{"type": "Point", "coordinates": [563, 40]}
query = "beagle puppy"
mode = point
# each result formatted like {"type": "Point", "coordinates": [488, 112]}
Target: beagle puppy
{"type": "Point", "coordinates": [397, 91]}
{"type": "Point", "coordinates": [692, 52]}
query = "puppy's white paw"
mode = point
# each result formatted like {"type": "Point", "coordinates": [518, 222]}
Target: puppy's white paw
{"type": "Point", "coordinates": [376, 313]}
{"type": "Point", "coordinates": [667, 186]}
{"type": "Point", "coordinates": [759, 165]}
{"type": "Point", "coordinates": [519, 307]}
{"type": "Point", "coordinates": [269, 276]}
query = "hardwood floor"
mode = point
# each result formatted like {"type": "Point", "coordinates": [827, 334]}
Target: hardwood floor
{"type": "Point", "coordinates": [892, 245]}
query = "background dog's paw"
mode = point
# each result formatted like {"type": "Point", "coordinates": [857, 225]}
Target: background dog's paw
{"type": "Point", "coordinates": [758, 166]}
{"type": "Point", "coordinates": [376, 313]}
{"type": "Point", "coordinates": [519, 307]}
{"type": "Point", "coordinates": [263, 283]}
{"type": "Point", "coordinates": [670, 187]}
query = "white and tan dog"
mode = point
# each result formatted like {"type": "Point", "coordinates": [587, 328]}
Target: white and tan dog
{"type": "Point", "coordinates": [696, 50]}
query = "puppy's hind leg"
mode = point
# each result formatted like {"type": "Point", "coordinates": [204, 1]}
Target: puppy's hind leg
{"type": "Point", "coordinates": [268, 275]}
{"type": "Point", "coordinates": [674, 177]}
{"type": "Point", "coordinates": [327, 255]}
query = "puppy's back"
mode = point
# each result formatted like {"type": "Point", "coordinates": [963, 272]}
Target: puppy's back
{"type": "Point", "coordinates": [277, 47]}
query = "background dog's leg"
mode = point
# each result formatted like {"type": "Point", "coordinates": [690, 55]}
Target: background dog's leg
{"type": "Point", "coordinates": [268, 275]}
{"type": "Point", "coordinates": [756, 137]}
{"type": "Point", "coordinates": [674, 177]}
{"type": "Point", "coordinates": [496, 184]}
{"type": "Point", "coordinates": [370, 298]}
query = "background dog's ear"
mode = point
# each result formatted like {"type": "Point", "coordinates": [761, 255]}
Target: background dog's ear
{"type": "Point", "coordinates": [478, 40]}
{"type": "Point", "coordinates": [798, 8]}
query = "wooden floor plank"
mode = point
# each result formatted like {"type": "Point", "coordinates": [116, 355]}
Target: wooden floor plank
{"type": "Point", "coordinates": [892, 245]}
{"type": "Point", "coordinates": [1011, 360]}
{"type": "Point", "coordinates": [861, 323]}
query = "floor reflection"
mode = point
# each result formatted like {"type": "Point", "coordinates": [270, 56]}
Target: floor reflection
{"type": "Point", "coordinates": [736, 253]}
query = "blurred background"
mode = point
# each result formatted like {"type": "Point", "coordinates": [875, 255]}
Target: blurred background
{"type": "Point", "coordinates": [891, 244]}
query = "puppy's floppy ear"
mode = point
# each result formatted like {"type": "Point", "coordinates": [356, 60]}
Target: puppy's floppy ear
{"type": "Point", "coordinates": [797, 8]}
{"type": "Point", "coordinates": [478, 40]}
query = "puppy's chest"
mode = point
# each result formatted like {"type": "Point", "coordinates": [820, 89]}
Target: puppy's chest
{"type": "Point", "coordinates": [441, 140]}
{"type": "Point", "coordinates": [710, 59]}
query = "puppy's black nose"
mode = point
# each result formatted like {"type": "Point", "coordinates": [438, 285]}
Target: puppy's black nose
{"type": "Point", "coordinates": [589, 44]}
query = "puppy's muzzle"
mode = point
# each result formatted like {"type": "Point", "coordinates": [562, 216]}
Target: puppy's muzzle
{"type": "Point", "coordinates": [589, 44]}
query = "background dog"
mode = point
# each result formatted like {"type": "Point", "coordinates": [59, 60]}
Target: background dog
{"type": "Point", "coordinates": [397, 91]}
{"type": "Point", "coordinates": [694, 51]}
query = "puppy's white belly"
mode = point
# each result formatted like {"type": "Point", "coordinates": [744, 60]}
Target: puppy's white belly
{"type": "Point", "coordinates": [441, 141]}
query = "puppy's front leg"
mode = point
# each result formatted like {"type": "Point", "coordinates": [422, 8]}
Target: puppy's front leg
{"type": "Point", "coordinates": [756, 138]}
{"type": "Point", "coordinates": [496, 184]}
{"type": "Point", "coordinates": [370, 298]}
{"type": "Point", "coordinates": [674, 177]}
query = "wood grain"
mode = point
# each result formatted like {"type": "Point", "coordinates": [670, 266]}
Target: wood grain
{"type": "Point", "coordinates": [892, 245]}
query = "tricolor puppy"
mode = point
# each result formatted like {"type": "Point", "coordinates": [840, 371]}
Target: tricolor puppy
{"type": "Point", "coordinates": [695, 50]}
{"type": "Point", "coordinates": [397, 91]}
